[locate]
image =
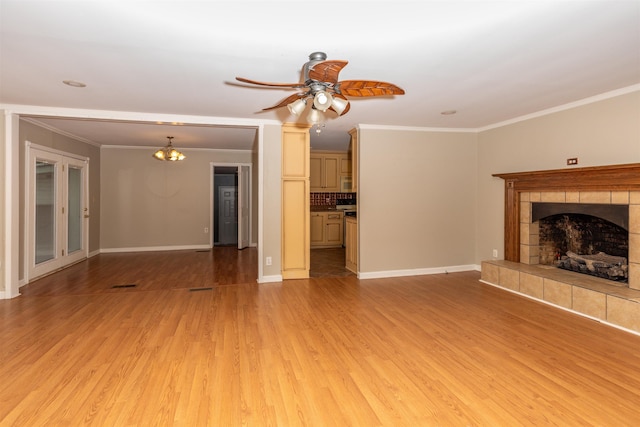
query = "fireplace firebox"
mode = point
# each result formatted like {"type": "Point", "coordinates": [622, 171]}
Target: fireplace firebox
{"type": "Point", "coordinates": [587, 238]}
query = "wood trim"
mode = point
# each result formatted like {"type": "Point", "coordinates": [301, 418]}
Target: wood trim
{"type": "Point", "coordinates": [625, 177]}
{"type": "Point", "coordinates": [295, 201]}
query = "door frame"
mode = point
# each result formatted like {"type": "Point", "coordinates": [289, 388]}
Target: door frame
{"type": "Point", "coordinates": [31, 153]}
{"type": "Point", "coordinates": [238, 166]}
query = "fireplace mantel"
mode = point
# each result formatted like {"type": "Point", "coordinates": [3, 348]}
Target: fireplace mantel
{"type": "Point", "coordinates": [625, 177]}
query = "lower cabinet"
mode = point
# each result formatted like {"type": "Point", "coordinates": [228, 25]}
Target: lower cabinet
{"type": "Point", "coordinates": [351, 245]}
{"type": "Point", "coordinates": [326, 229]}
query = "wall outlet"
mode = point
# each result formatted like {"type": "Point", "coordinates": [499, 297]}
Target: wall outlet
{"type": "Point", "coordinates": [206, 230]}
{"type": "Point", "coordinates": [572, 161]}
{"type": "Point", "coordinates": [268, 260]}
{"type": "Point", "coordinates": [495, 253]}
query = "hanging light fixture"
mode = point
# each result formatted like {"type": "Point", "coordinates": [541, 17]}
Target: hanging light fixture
{"type": "Point", "coordinates": [297, 107]}
{"type": "Point", "coordinates": [315, 116]}
{"type": "Point", "coordinates": [169, 153]}
{"type": "Point", "coordinates": [322, 100]}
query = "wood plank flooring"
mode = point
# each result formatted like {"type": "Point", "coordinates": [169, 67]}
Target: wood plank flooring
{"type": "Point", "coordinates": [436, 350]}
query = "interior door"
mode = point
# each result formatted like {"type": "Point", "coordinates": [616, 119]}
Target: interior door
{"type": "Point", "coordinates": [57, 224]}
{"type": "Point", "coordinates": [227, 215]}
{"type": "Point", "coordinates": [244, 195]}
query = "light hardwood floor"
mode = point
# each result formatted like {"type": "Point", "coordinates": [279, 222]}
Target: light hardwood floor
{"type": "Point", "coordinates": [198, 342]}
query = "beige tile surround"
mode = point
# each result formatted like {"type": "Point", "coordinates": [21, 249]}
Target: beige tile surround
{"type": "Point", "coordinates": [607, 301]}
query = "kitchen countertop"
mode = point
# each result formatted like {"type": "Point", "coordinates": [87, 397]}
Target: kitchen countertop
{"type": "Point", "coordinates": [323, 209]}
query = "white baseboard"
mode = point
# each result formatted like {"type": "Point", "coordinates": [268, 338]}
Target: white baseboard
{"type": "Point", "coordinates": [271, 279]}
{"type": "Point", "coordinates": [416, 271]}
{"type": "Point", "coordinates": [154, 249]}
{"type": "Point", "coordinates": [94, 253]}
{"type": "Point", "coordinates": [7, 295]}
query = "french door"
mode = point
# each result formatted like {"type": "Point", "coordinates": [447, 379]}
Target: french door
{"type": "Point", "coordinates": [56, 234]}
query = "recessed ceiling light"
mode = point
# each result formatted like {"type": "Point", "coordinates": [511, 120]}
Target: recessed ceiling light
{"type": "Point", "coordinates": [74, 83]}
{"type": "Point", "coordinates": [448, 112]}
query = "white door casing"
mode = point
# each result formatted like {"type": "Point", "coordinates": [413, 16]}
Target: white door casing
{"type": "Point", "coordinates": [244, 205]}
{"type": "Point", "coordinates": [56, 209]}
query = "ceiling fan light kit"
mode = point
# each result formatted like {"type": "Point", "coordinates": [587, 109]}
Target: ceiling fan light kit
{"type": "Point", "coordinates": [339, 105]}
{"type": "Point", "coordinates": [322, 85]}
{"type": "Point", "coordinates": [297, 107]}
{"type": "Point", "coordinates": [314, 116]}
{"type": "Point", "coordinates": [322, 101]}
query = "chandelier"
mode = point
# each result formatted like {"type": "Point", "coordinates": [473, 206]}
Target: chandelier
{"type": "Point", "coordinates": [169, 153]}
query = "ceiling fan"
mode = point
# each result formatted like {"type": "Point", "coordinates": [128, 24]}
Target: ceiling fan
{"type": "Point", "coordinates": [322, 85]}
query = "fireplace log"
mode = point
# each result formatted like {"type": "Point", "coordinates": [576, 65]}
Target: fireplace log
{"type": "Point", "coordinates": [600, 264]}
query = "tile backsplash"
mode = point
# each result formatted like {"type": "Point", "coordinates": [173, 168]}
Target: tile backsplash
{"type": "Point", "coordinates": [331, 199]}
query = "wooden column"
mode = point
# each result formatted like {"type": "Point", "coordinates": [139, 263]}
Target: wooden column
{"type": "Point", "coordinates": [295, 201]}
{"type": "Point", "coordinates": [511, 222]}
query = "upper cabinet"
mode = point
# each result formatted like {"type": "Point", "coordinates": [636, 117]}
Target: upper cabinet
{"type": "Point", "coordinates": [345, 165]}
{"type": "Point", "coordinates": [325, 169]}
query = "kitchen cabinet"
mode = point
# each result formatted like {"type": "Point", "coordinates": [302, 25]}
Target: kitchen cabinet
{"type": "Point", "coordinates": [317, 228]}
{"type": "Point", "coordinates": [326, 169]}
{"type": "Point", "coordinates": [351, 244]}
{"type": "Point", "coordinates": [326, 229]}
{"type": "Point", "coordinates": [353, 150]}
{"type": "Point", "coordinates": [345, 165]}
{"type": "Point", "coordinates": [295, 201]}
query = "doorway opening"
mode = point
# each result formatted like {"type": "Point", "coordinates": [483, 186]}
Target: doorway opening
{"type": "Point", "coordinates": [231, 206]}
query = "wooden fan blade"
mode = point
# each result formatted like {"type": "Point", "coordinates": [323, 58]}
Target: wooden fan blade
{"type": "Point", "coordinates": [254, 82]}
{"type": "Point", "coordinates": [367, 88]}
{"type": "Point", "coordinates": [327, 71]}
{"type": "Point", "coordinates": [288, 100]}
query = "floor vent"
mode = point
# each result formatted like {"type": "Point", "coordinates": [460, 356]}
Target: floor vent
{"type": "Point", "coordinates": [124, 286]}
{"type": "Point", "coordinates": [199, 289]}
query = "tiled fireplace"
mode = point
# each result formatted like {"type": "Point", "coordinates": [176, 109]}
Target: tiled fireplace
{"type": "Point", "coordinates": [613, 302]}
{"type": "Point", "coordinates": [529, 230]}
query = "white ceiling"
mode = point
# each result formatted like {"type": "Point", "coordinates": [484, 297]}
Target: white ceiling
{"type": "Point", "coordinates": [491, 61]}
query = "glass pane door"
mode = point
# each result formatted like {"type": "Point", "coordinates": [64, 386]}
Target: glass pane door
{"type": "Point", "coordinates": [45, 211]}
{"type": "Point", "coordinates": [56, 204]}
{"type": "Point", "coordinates": [74, 209]}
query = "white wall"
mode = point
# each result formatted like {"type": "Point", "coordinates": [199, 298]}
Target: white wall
{"type": "Point", "coordinates": [416, 200]}
{"type": "Point", "coordinates": [151, 204]}
{"type": "Point", "coordinates": [605, 132]}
